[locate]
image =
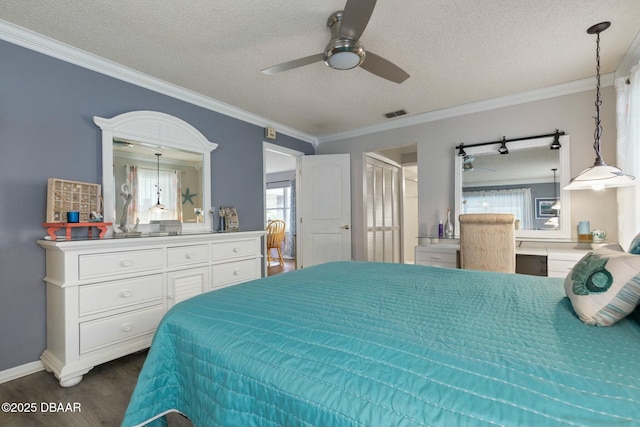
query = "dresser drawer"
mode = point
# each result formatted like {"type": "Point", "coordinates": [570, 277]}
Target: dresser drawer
{"type": "Point", "coordinates": [113, 263]}
{"type": "Point", "coordinates": [234, 249]}
{"type": "Point", "coordinates": [113, 295]}
{"type": "Point", "coordinates": [439, 257]}
{"type": "Point", "coordinates": [559, 268]}
{"type": "Point", "coordinates": [234, 272]}
{"type": "Point", "coordinates": [114, 329]}
{"type": "Point", "coordinates": [560, 263]}
{"type": "Point", "coordinates": [183, 255]}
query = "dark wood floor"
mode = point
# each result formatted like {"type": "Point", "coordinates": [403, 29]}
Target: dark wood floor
{"type": "Point", "coordinates": [102, 397]}
{"type": "Point", "coordinates": [274, 268]}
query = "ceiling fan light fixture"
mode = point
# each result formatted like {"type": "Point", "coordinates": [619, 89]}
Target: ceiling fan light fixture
{"type": "Point", "coordinates": [344, 54]}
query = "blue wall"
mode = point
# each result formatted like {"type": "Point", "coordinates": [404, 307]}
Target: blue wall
{"type": "Point", "coordinates": [47, 131]}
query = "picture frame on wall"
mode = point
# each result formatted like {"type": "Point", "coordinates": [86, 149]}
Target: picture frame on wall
{"type": "Point", "coordinates": [543, 207]}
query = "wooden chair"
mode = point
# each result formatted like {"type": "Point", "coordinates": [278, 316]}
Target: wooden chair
{"type": "Point", "coordinates": [275, 238]}
{"type": "Point", "coordinates": [487, 242]}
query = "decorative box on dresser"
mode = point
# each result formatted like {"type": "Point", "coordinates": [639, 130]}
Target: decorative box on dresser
{"type": "Point", "coordinates": [106, 297]}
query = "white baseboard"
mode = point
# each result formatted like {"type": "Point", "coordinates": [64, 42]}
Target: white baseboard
{"type": "Point", "coordinates": [20, 371]}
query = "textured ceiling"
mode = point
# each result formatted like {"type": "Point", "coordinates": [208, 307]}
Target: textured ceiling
{"type": "Point", "coordinates": [456, 51]}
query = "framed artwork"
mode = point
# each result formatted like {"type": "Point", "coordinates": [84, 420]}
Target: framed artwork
{"type": "Point", "coordinates": [229, 218]}
{"type": "Point", "coordinates": [543, 207]}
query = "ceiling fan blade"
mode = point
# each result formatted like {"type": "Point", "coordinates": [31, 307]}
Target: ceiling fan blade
{"type": "Point", "coordinates": [381, 67]}
{"type": "Point", "coordinates": [296, 63]}
{"type": "Point", "coordinates": [355, 18]}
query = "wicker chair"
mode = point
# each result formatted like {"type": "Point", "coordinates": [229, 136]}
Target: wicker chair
{"type": "Point", "coordinates": [487, 242]}
{"type": "Point", "coordinates": [275, 238]}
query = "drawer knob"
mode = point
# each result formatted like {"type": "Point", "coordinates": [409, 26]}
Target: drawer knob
{"type": "Point", "coordinates": [127, 327]}
{"type": "Point", "coordinates": [191, 255]}
{"type": "Point", "coordinates": [236, 249]}
{"type": "Point", "coordinates": [125, 263]}
{"type": "Point", "coordinates": [125, 294]}
{"type": "Point", "coordinates": [236, 272]}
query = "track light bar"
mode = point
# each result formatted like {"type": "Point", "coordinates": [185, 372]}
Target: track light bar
{"type": "Point", "coordinates": [504, 141]}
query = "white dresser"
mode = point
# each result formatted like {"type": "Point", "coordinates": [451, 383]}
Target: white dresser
{"type": "Point", "coordinates": [106, 297]}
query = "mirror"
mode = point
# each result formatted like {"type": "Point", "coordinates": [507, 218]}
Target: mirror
{"type": "Point", "coordinates": [151, 149]}
{"type": "Point", "coordinates": [485, 180]}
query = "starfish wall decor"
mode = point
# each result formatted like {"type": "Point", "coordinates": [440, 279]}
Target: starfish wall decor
{"type": "Point", "coordinates": [188, 197]}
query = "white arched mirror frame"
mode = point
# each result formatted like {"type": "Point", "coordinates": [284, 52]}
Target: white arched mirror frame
{"type": "Point", "coordinates": [564, 231]}
{"type": "Point", "coordinates": [152, 127]}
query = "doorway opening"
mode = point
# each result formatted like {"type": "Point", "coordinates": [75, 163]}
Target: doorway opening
{"type": "Point", "coordinates": [280, 194]}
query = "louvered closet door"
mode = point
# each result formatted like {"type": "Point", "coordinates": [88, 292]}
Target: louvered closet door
{"type": "Point", "coordinates": [383, 211]}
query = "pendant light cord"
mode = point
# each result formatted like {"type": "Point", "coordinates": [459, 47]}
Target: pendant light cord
{"type": "Point", "coordinates": [158, 182]}
{"type": "Point", "coordinates": [598, 131]}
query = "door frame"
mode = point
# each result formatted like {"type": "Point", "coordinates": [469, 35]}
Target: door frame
{"type": "Point", "coordinates": [268, 146]}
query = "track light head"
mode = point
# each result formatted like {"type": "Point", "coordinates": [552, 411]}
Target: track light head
{"type": "Point", "coordinates": [503, 148]}
{"type": "Point", "coordinates": [555, 145]}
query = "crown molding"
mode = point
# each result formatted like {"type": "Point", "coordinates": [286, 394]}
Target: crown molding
{"type": "Point", "coordinates": [475, 107]}
{"type": "Point", "coordinates": [56, 49]}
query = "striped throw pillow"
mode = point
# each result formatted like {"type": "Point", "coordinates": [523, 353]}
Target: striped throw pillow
{"type": "Point", "coordinates": [604, 286]}
{"type": "Point", "coordinates": [634, 248]}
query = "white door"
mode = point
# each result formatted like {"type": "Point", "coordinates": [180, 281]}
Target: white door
{"type": "Point", "coordinates": [324, 216]}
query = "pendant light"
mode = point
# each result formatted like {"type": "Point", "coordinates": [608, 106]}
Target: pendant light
{"type": "Point", "coordinates": [556, 204]}
{"type": "Point", "coordinates": [600, 175]}
{"type": "Point", "coordinates": [158, 206]}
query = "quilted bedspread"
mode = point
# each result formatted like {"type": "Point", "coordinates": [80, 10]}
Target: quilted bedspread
{"type": "Point", "coordinates": [370, 344]}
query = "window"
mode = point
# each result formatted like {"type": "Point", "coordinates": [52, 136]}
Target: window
{"type": "Point", "coordinates": [278, 203]}
{"type": "Point", "coordinates": [144, 183]}
{"type": "Point", "coordinates": [516, 202]}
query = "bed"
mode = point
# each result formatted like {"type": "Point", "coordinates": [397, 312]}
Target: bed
{"type": "Point", "coordinates": [373, 344]}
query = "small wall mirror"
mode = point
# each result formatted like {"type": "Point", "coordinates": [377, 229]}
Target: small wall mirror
{"type": "Point", "coordinates": [522, 182]}
{"type": "Point", "coordinates": [160, 160]}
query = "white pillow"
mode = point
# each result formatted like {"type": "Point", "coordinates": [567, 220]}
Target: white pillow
{"type": "Point", "coordinates": [604, 286]}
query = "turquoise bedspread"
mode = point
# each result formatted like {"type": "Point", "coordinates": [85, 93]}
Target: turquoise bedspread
{"type": "Point", "coordinates": [368, 344]}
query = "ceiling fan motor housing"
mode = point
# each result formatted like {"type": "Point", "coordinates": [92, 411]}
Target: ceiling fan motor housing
{"type": "Point", "coordinates": [342, 53]}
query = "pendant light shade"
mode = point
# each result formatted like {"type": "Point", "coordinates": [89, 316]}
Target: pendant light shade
{"type": "Point", "coordinates": [600, 175]}
{"type": "Point", "coordinates": [158, 206]}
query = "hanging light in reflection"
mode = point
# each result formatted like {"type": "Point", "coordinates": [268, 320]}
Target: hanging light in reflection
{"type": "Point", "coordinates": [158, 206]}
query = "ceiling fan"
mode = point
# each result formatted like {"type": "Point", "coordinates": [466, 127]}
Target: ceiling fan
{"type": "Point", "coordinates": [467, 165]}
{"type": "Point", "coordinates": [345, 51]}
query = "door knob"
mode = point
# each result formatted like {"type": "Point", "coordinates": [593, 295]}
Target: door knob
{"type": "Point", "coordinates": [346, 227]}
